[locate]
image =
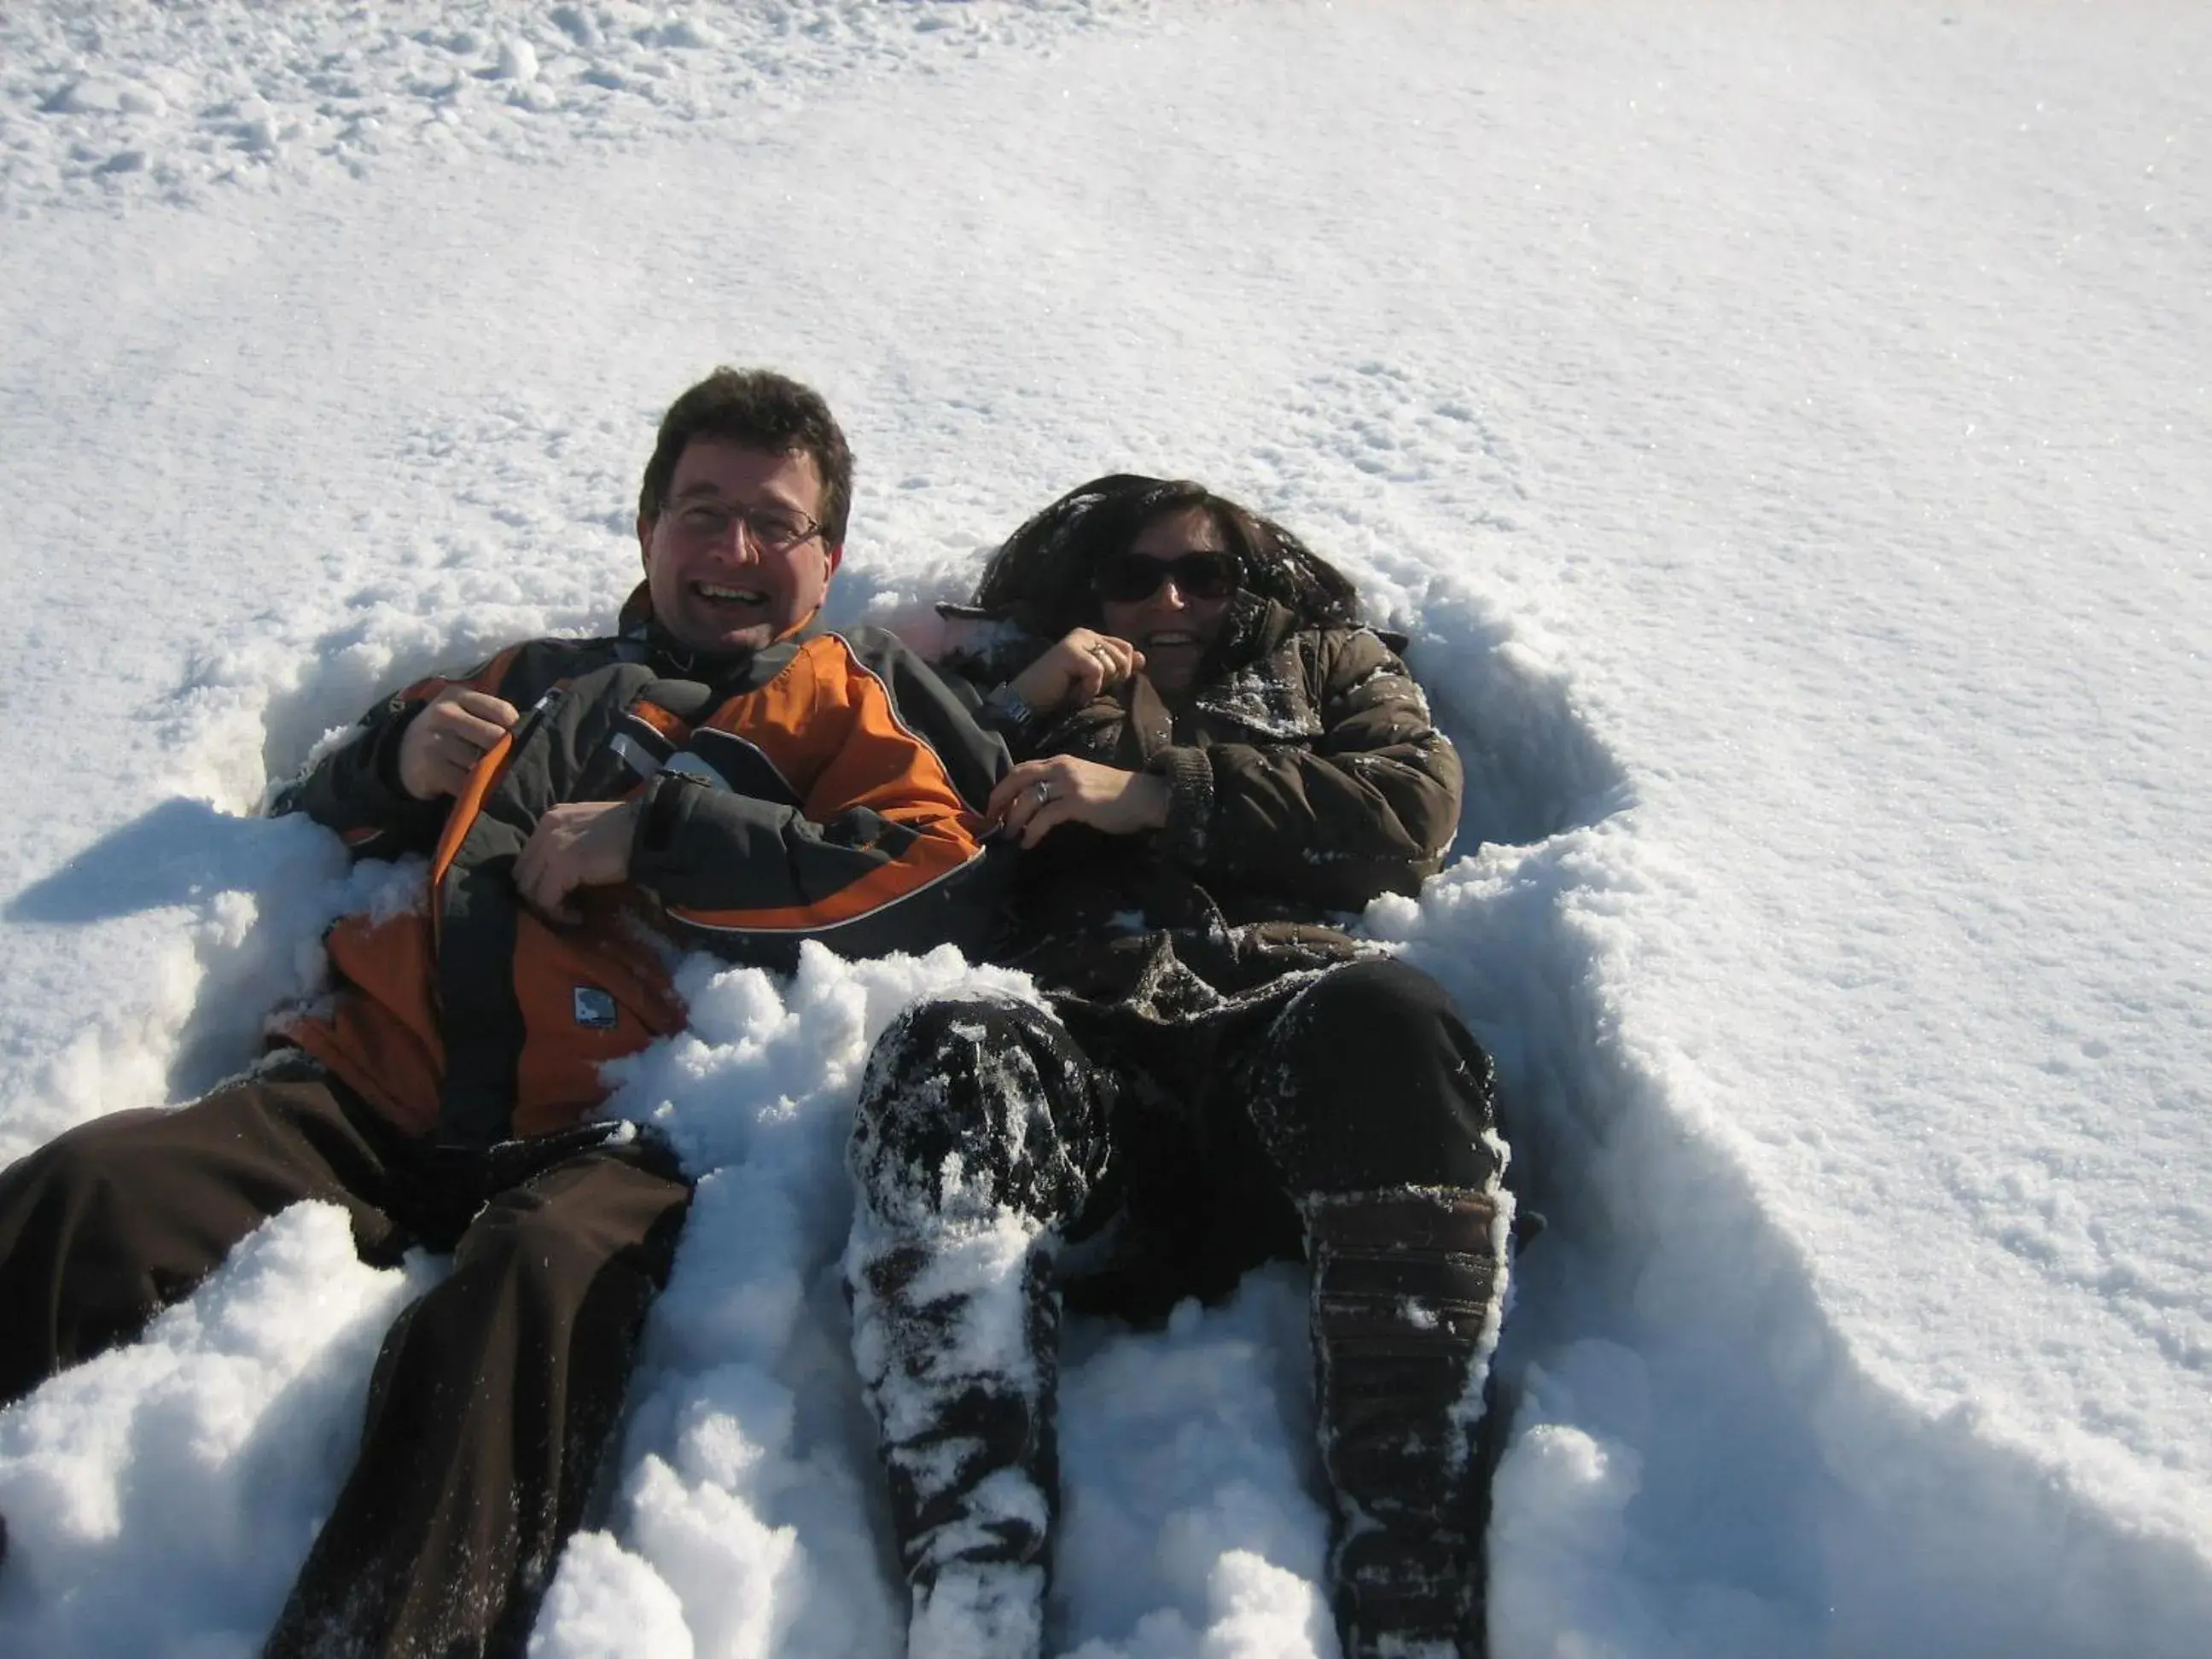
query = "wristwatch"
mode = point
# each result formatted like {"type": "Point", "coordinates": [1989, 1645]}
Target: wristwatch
{"type": "Point", "coordinates": [1013, 704]}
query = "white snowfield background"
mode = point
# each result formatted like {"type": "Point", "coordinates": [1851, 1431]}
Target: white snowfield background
{"type": "Point", "coordinates": [1784, 429]}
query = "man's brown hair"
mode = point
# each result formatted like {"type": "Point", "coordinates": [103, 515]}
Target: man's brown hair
{"type": "Point", "coordinates": [761, 410]}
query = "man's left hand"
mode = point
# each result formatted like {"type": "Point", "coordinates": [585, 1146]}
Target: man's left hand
{"type": "Point", "coordinates": [577, 844]}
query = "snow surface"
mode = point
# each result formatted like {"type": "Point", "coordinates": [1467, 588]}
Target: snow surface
{"type": "Point", "coordinates": [1783, 427]}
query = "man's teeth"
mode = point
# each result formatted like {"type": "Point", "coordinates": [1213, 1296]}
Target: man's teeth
{"type": "Point", "coordinates": [742, 595]}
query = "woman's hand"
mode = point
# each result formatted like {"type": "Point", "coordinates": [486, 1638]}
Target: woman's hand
{"type": "Point", "coordinates": [1083, 665]}
{"type": "Point", "coordinates": [1038, 796]}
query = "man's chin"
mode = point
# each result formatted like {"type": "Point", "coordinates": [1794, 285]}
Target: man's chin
{"type": "Point", "coordinates": [723, 641]}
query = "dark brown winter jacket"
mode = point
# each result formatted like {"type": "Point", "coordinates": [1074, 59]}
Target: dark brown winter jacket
{"type": "Point", "coordinates": [1305, 778]}
{"type": "Point", "coordinates": [827, 788]}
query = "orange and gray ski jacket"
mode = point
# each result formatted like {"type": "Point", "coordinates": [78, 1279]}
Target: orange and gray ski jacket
{"type": "Point", "coordinates": [827, 787]}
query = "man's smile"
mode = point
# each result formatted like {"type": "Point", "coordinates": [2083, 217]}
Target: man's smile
{"type": "Point", "coordinates": [716, 593]}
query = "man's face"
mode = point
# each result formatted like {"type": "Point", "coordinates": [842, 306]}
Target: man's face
{"type": "Point", "coordinates": [725, 563]}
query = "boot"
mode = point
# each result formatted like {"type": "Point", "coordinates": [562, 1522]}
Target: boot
{"type": "Point", "coordinates": [1408, 1291]}
{"type": "Point", "coordinates": [958, 1343]}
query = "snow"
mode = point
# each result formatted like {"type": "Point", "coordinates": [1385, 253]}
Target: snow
{"type": "Point", "coordinates": [1781, 428]}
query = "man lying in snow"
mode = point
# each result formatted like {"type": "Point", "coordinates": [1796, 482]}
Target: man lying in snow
{"type": "Point", "coordinates": [716, 774]}
{"type": "Point", "coordinates": [1214, 757]}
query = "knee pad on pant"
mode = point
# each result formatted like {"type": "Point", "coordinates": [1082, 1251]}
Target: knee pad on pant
{"type": "Point", "coordinates": [1369, 1080]}
{"type": "Point", "coordinates": [970, 1108]}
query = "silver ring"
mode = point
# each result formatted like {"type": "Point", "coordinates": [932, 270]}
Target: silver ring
{"type": "Point", "coordinates": [1102, 654]}
{"type": "Point", "coordinates": [1043, 792]}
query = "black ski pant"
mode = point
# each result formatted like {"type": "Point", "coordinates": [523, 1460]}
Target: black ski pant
{"type": "Point", "coordinates": [1362, 1079]}
{"type": "Point", "coordinates": [495, 1393]}
{"type": "Point", "coordinates": [1351, 1121]}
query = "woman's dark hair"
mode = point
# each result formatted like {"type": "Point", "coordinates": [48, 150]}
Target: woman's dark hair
{"type": "Point", "coordinates": [1039, 578]}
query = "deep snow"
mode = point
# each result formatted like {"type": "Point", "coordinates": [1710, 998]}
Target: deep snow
{"type": "Point", "coordinates": [1782, 427]}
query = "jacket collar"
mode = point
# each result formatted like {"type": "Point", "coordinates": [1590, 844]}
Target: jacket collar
{"type": "Point", "coordinates": [1251, 628]}
{"type": "Point", "coordinates": [730, 671]}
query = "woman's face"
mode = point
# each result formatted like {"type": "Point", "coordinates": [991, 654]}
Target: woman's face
{"type": "Point", "coordinates": [1177, 620]}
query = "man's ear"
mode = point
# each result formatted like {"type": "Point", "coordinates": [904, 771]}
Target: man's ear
{"type": "Point", "coordinates": [645, 538]}
{"type": "Point", "coordinates": [837, 555]}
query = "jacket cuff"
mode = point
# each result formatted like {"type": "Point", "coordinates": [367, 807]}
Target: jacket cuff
{"type": "Point", "coordinates": [1189, 829]}
{"type": "Point", "coordinates": [384, 752]}
{"type": "Point", "coordinates": [356, 788]}
{"type": "Point", "coordinates": [656, 842]}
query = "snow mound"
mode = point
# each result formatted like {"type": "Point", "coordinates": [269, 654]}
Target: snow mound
{"type": "Point", "coordinates": [161, 1498]}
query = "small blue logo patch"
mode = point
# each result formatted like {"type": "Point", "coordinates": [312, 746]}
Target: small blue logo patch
{"type": "Point", "coordinates": [595, 1008]}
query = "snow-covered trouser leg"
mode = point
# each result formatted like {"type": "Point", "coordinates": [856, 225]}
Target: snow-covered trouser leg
{"type": "Point", "coordinates": [1409, 1286]}
{"type": "Point", "coordinates": [1375, 1104]}
{"type": "Point", "coordinates": [490, 1409]}
{"type": "Point", "coordinates": [980, 1134]}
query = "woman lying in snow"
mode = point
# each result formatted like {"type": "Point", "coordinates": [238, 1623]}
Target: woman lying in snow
{"type": "Point", "coordinates": [1214, 759]}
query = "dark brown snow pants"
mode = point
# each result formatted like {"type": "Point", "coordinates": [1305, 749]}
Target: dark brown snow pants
{"type": "Point", "coordinates": [495, 1393]}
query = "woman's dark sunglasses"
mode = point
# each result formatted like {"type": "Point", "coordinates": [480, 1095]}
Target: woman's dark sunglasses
{"type": "Point", "coordinates": [1127, 578]}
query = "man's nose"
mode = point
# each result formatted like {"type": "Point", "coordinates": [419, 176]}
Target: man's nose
{"type": "Point", "coordinates": [738, 544]}
{"type": "Point", "coordinates": [1170, 595]}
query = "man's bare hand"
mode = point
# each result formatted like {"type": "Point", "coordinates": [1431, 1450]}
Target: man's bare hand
{"type": "Point", "coordinates": [583, 843]}
{"type": "Point", "coordinates": [444, 743]}
{"type": "Point", "coordinates": [1083, 665]}
{"type": "Point", "coordinates": [1039, 795]}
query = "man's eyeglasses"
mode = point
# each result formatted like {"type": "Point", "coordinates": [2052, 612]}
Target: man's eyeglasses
{"type": "Point", "coordinates": [773, 529]}
{"type": "Point", "coordinates": [1127, 578]}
